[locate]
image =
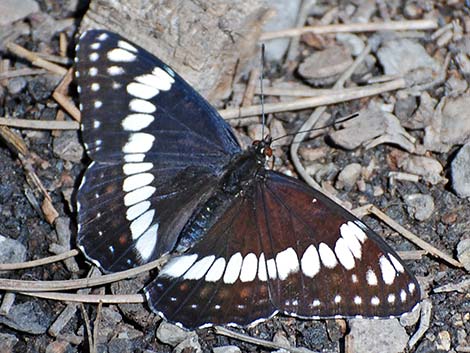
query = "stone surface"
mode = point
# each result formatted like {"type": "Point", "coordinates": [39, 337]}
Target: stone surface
{"type": "Point", "coordinates": [377, 336]}
{"type": "Point", "coordinates": [420, 206]}
{"type": "Point", "coordinates": [7, 342]}
{"type": "Point", "coordinates": [27, 317]}
{"type": "Point", "coordinates": [460, 171]}
{"type": "Point", "coordinates": [68, 147]}
{"type": "Point", "coordinates": [463, 253]}
{"type": "Point", "coordinates": [428, 168]}
{"type": "Point", "coordinates": [14, 10]}
{"type": "Point", "coordinates": [285, 15]}
{"type": "Point", "coordinates": [190, 344]}
{"type": "Point", "coordinates": [371, 128]}
{"type": "Point", "coordinates": [172, 334]}
{"type": "Point", "coordinates": [401, 56]}
{"type": "Point", "coordinates": [227, 349]}
{"type": "Point", "coordinates": [324, 66]}
{"type": "Point", "coordinates": [11, 250]}
{"type": "Point", "coordinates": [348, 177]}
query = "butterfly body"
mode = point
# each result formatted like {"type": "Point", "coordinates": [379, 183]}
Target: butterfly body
{"type": "Point", "coordinates": [169, 176]}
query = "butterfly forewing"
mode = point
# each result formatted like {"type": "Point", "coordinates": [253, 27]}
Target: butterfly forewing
{"type": "Point", "coordinates": [157, 147]}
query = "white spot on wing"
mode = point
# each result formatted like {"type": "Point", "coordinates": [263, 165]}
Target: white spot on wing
{"type": "Point", "coordinates": [216, 271]}
{"type": "Point", "coordinates": [138, 142]}
{"type": "Point", "coordinates": [127, 46]}
{"type": "Point", "coordinates": [327, 256]}
{"type": "Point", "coordinates": [158, 79]}
{"type": "Point", "coordinates": [134, 157]}
{"type": "Point", "coordinates": [403, 295]}
{"type": "Point", "coordinates": [371, 278]}
{"type": "Point", "coordinates": [398, 266]}
{"type": "Point", "coordinates": [93, 56]}
{"type": "Point", "coordinates": [249, 268]}
{"type": "Point", "coordinates": [115, 70]}
{"type": "Point", "coordinates": [136, 122]}
{"type": "Point", "coordinates": [177, 266]}
{"type": "Point", "coordinates": [357, 228]}
{"type": "Point", "coordinates": [146, 243]}
{"type": "Point", "coordinates": [95, 46]}
{"type": "Point", "coordinates": [141, 106]}
{"type": "Point", "coordinates": [337, 299]}
{"type": "Point", "coordinates": [411, 287]}
{"type": "Point", "coordinates": [200, 268]}
{"type": "Point", "coordinates": [95, 86]}
{"type": "Point", "coordinates": [375, 301]}
{"type": "Point", "coordinates": [347, 232]}
{"type": "Point", "coordinates": [287, 263]}
{"type": "Point", "coordinates": [344, 255]}
{"type": "Point", "coordinates": [120, 55]}
{"type": "Point", "coordinates": [138, 195]}
{"type": "Point", "coordinates": [310, 262]}
{"type": "Point", "coordinates": [357, 300]}
{"type": "Point", "coordinates": [135, 211]}
{"type": "Point", "coordinates": [97, 104]}
{"type": "Point", "coordinates": [93, 71]}
{"type": "Point", "coordinates": [272, 272]}
{"type": "Point", "coordinates": [391, 298]}
{"type": "Point", "coordinates": [141, 224]}
{"type": "Point", "coordinates": [387, 269]}
{"type": "Point", "coordinates": [137, 181]}
{"type": "Point", "coordinates": [262, 271]}
{"type": "Point", "coordinates": [102, 37]}
{"type": "Point", "coordinates": [142, 91]}
{"type": "Point", "coordinates": [134, 168]}
{"type": "Point", "coordinates": [233, 268]}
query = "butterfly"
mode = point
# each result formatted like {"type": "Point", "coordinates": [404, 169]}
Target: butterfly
{"type": "Point", "coordinates": [168, 176]}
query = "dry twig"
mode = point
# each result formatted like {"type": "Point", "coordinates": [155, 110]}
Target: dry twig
{"type": "Point", "coordinates": [219, 330]}
{"type": "Point", "coordinates": [411, 25]}
{"type": "Point", "coordinates": [39, 262]}
{"type": "Point", "coordinates": [40, 124]}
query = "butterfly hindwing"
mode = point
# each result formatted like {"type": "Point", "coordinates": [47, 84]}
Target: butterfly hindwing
{"type": "Point", "coordinates": [288, 248]}
{"type": "Point", "coordinates": [157, 147]}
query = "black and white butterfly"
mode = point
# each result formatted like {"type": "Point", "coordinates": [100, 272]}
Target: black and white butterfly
{"type": "Point", "coordinates": [168, 175]}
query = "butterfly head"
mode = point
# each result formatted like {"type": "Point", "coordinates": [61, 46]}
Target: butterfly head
{"type": "Point", "coordinates": [263, 147]}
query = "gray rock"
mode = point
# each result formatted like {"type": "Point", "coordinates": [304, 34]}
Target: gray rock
{"type": "Point", "coordinates": [110, 318]}
{"type": "Point", "coordinates": [14, 10]}
{"type": "Point", "coordinates": [11, 250]}
{"type": "Point", "coordinates": [68, 147]}
{"type": "Point", "coordinates": [59, 346]}
{"type": "Point", "coordinates": [119, 345]}
{"type": "Point", "coordinates": [285, 17]}
{"type": "Point", "coordinates": [226, 349]}
{"type": "Point", "coordinates": [16, 85]}
{"type": "Point", "coordinates": [325, 66]}
{"type": "Point", "coordinates": [455, 127]}
{"type": "Point", "coordinates": [428, 168]}
{"type": "Point", "coordinates": [354, 43]}
{"type": "Point", "coordinates": [460, 170]}
{"type": "Point", "coordinates": [190, 344]}
{"type": "Point", "coordinates": [371, 128]}
{"type": "Point", "coordinates": [7, 342]}
{"type": "Point", "coordinates": [348, 177]}
{"type": "Point", "coordinates": [172, 334]}
{"type": "Point", "coordinates": [27, 317]}
{"type": "Point", "coordinates": [401, 56]}
{"type": "Point", "coordinates": [463, 253]}
{"type": "Point", "coordinates": [420, 206]}
{"type": "Point", "coordinates": [377, 336]}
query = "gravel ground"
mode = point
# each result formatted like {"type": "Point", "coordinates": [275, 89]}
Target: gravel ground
{"type": "Point", "coordinates": [410, 158]}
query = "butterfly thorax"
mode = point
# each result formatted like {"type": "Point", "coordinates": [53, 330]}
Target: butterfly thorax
{"type": "Point", "coordinates": [239, 176]}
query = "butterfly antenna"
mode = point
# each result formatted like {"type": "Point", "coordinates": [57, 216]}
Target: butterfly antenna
{"type": "Point", "coordinates": [261, 77]}
{"type": "Point", "coordinates": [341, 120]}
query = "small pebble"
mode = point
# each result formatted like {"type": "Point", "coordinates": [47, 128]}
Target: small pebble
{"type": "Point", "coordinates": [348, 177]}
{"type": "Point", "coordinates": [443, 341]}
{"type": "Point", "coordinates": [255, 131]}
{"type": "Point", "coordinates": [7, 342]}
{"type": "Point", "coordinates": [226, 349]}
{"type": "Point", "coordinates": [455, 129]}
{"type": "Point", "coordinates": [59, 346]}
{"type": "Point", "coordinates": [11, 250]}
{"type": "Point", "coordinates": [463, 253]}
{"type": "Point", "coordinates": [313, 154]}
{"type": "Point", "coordinates": [171, 334]}
{"type": "Point", "coordinates": [427, 167]}
{"type": "Point", "coordinates": [68, 147]}
{"type": "Point", "coordinates": [27, 317]}
{"type": "Point", "coordinates": [14, 10]}
{"type": "Point", "coordinates": [384, 336]}
{"type": "Point", "coordinates": [190, 344]}
{"type": "Point", "coordinates": [15, 85]}
{"type": "Point", "coordinates": [353, 42]}
{"type": "Point", "coordinates": [420, 206]}
{"type": "Point", "coordinates": [460, 170]}
{"type": "Point", "coordinates": [119, 345]}
{"type": "Point", "coordinates": [324, 66]}
{"type": "Point", "coordinates": [400, 56]}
